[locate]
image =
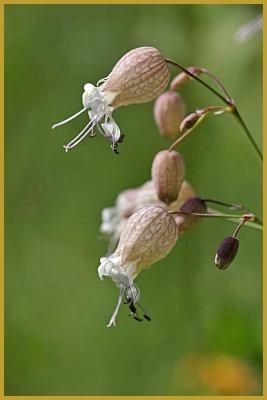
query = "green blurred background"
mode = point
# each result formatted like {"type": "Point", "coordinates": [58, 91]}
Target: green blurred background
{"type": "Point", "coordinates": [205, 322]}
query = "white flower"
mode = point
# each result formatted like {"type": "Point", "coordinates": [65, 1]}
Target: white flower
{"type": "Point", "coordinates": [139, 76]}
{"type": "Point", "coordinates": [114, 218]}
{"type": "Point", "coordinates": [131, 200]}
{"type": "Point", "coordinates": [111, 267]}
{"type": "Point", "coordinates": [123, 277]}
{"type": "Point", "coordinates": [97, 104]}
{"type": "Point", "coordinates": [148, 236]}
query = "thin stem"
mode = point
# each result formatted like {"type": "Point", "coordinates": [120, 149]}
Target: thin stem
{"type": "Point", "coordinates": [251, 219]}
{"type": "Point", "coordinates": [181, 138]}
{"type": "Point", "coordinates": [249, 224]}
{"type": "Point", "coordinates": [233, 206]}
{"type": "Point", "coordinates": [201, 113]}
{"type": "Point", "coordinates": [200, 81]}
{"type": "Point", "coordinates": [229, 205]}
{"type": "Point", "coordinates": [223, 109]}
{"type": "Point", "coordinates": [219, 215]}
{"type": "Point", "coordinates": [218, 82]}
{"type": "Point", "coordinates": [225, 100]}
{"type": "Point", "coordinates": [239, 227]}
{"type": "Point", "coordinates": [250, 137]}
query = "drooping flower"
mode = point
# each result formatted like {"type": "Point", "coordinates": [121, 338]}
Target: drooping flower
{"type": "Point", "coordinates": [148, 236]}
{"type": "Point", "coordinates": [114, 218]}
{"type": "Point", "coordinates": [131, 200]}
{"type": "Point", "coordinates": [138, 77]}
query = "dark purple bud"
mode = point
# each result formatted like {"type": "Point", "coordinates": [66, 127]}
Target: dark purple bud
{"type": "Point", "coordinates": [226, 252]}
{"type": "Point", "coordinates": [193, 205]}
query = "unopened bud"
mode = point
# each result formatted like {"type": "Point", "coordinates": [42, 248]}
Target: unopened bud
{"type": "Point", "coordinates": [183, 77]}
{"type": "Point", "coordinates": [168, 172]}
{"type": "Point", "coordinates": [169, 111]}
{"type": "Point", "coordinates": [192, 119]}
{"type": "Point", "coordinates": [138, 77]}
{"type": "Point", "coordinates": [226, 252]}
{"type": "Point", "coordinates": [193, 205]}
{"type": "Point", "coordinates": [186, 193]}
{"type": "Point", "coordinates": [149, 235]}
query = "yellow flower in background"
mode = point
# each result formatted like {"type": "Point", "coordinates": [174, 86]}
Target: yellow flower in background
{"type": "Point", "coordinates": [223, 375]}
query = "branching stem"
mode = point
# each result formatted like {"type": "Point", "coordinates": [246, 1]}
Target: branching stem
{"type": "Point", "coordinates": [226, 99]}
{"type": "Point", "coordinates": [250, 219]}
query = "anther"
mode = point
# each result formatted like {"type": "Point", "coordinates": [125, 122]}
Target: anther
{"type": "Point", "coordinates": [145, 315]}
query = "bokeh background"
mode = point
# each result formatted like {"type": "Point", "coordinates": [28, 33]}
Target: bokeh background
{"type": "Point", "coordinates": [205, 336]}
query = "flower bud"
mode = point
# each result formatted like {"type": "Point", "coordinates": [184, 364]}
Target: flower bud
{"type": "Point", "coordinates": [149, 235]}
{"type": "Point", "coordinates": [186, 193]}
{"type": "Point", "coordinates": [191, 120]}
{"type": "Point", "coordinates": [168, 172]}
{"type": "Point", "coordinates": [226, 252]}
{"type": "Point", "coordinates": [193, 205]}
{"type": "Point", "coordinates": [169, 111]}
{"type": "Point", "coordinates": [183, 77]}
{"type": "Point", "coordinates": [138, 77]}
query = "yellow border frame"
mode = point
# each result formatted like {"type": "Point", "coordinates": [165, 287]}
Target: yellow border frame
{"type": "Point", "coordinates": [2, 4]}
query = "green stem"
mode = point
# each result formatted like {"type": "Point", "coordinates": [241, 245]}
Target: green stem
{"type": "Point", "coordinates": [250, 137]}
{"type": "Point", "coordinates": [233, 206]}
{"type": "Point", "coordinates": [181, 138]}
{"type": "Point", "coordinates": [219, 215]}
{"type": "Point", "coordinates": [218, 82]}
{"type": "Point", "coordinates": [253, 223]}
{"type": "Point", "coordinates": [210, 88]}
{"type": "Point", "coordinates": [225, 100]}
{"type": "Point", "coordinates": [249, 224]}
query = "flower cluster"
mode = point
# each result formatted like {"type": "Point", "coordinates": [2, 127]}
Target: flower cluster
{"type": "Point", "coordinates": [146, 221]}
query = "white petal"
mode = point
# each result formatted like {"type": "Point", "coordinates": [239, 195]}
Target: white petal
{"type": "Point", "coordinates": [112, 130]}
{"type": "Point", "coordinates": [119, 278]}
{"type": "Point", "coordinates": [105, 267]}
{"type": "Point", "coordinates": [109, 96]}
{"type": "Point", "coordinates": [89, 88]}
{"type": "Point", "coordinates": [108, 213]}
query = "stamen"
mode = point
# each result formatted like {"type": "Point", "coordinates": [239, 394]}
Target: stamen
{"type": "Point", "coordinates": [137, 318]}
{"type": "Point", "coordinates": [133, 310]}
{"type": "Point", "coordinates": [114, 315]}
{"type": "Point", "coordinates": [146, 316]}
{"type": "Point", "coordinates": [86, 130]}
{"type": "Point", "coordinates": [130, 300]}
{"type": "Point", "coordinates": [68, 119]}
